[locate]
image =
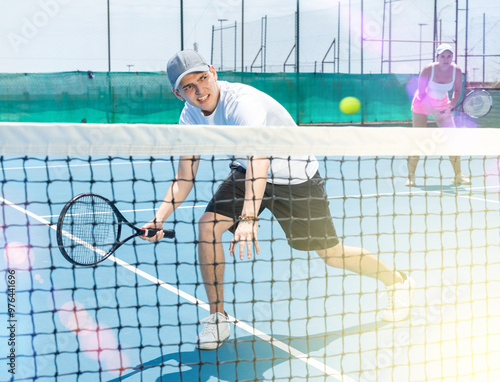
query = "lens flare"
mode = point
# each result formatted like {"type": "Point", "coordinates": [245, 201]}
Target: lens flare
{"type": "Point", "coordinates": [492, 174]}
{"type": "Point", "coordinates": [75, 317]}
{"type": "Point", "coordinates": [102, 344]}
{"type": "Point", "coordinates": [96, 342]}
{"type": "Point", "coordinates": [19, 256]}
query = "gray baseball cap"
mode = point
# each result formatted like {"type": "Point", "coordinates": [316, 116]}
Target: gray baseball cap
{"type": "Point", "coordinates": [185, 62]}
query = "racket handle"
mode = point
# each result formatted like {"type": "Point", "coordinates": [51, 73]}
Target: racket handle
{"type": "Point", "coordinates": [169, 233]}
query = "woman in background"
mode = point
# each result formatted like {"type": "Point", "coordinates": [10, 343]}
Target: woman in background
{"type": "Point", "coordinates": [431, 98]}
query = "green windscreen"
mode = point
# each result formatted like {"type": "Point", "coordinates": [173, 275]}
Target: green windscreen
{"type": "Point", "coordinates": [88, 97]}
{"type": "Point", "coordinates": [316, 98]}
{"type": "Point", "coordinates": [147, 98]}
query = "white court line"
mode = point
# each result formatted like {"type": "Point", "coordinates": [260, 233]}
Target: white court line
{"type": "Point", "coordinates": [77, 165]}
{"type": "Point", "coordinates": [414, 192]}
{"type": "Point", "coordinates": [105, 162]}
{"type": "Point", "coordinates": [126, 211]}
{"type": "Point", "coordinates": [466, 196]}
{"type": "Point", "coordinates": [250, 329]}
{"type": "Point", "coordinates": [472, 198]}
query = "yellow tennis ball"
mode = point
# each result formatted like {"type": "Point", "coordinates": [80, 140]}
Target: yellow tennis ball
{"type": "Point", "coordinates": [350, 105]}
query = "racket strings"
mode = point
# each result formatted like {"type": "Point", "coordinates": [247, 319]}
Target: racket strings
{"type": "Point", "coordinates": [92, 229]}
{"type": "Point", "coordinates": [477, 104]}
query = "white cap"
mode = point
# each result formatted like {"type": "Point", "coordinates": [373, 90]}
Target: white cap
{"type": "Point", "coordinates": [443, 48]}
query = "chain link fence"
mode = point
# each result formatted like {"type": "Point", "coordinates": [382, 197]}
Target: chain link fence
{"type": "Point", "coordinates": [399, 36]}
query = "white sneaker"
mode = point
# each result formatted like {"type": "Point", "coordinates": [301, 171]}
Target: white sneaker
{"type": "Point", "coordinates": [460, 178]}
{"type": "Point", "coordinates": [215, 331]}
{"type": "Point", "coordinates": [410, 182]}
{"type": "Point", "coordinates": [399, 299]}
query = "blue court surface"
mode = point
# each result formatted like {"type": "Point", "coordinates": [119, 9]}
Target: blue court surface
{"type": "Point", "coordinates": [136, 317]}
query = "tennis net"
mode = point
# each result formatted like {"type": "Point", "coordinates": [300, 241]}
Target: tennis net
{"type": "Point", "coordinates": [136, 315]}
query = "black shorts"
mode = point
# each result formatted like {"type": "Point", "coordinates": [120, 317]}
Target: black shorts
{"type": "Point", "coordinates": [302, 209]}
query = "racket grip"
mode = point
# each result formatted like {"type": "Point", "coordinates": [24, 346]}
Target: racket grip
{"type": "Point", "coordinates": [169, 233]}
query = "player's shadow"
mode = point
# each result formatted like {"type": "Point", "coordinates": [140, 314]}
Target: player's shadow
{"type": "Point", "coordinates": [247, 358]}
{"type": "Point", "coordinates": [440, 188]}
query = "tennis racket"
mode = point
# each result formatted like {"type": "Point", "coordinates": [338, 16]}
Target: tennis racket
{"type": "Point", "coordinates": [476, 104]}
{"type": "Point", "coordinates": [89, 229]}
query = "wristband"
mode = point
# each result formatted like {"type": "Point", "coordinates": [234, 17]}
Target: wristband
{"type": "Point", "coordinates": [249, 217]}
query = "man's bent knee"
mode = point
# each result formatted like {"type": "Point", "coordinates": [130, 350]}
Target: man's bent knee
{"type": "Point", "coordinates": [212, 225]}
{"type": "Point", "coordinates": [337, 251]}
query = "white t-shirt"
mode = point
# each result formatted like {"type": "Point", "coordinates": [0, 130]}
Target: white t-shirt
{"type": "Point", "coordinates": [243, 105]}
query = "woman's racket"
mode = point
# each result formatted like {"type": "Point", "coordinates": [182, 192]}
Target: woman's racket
{"type": "Point", "coordinates": [89, 229]}
{"type": "Point", "coordinates": [476, 104]}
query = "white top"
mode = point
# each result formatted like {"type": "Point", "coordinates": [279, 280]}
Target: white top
{"type": "Point", "coordinates": [439, 91]}
{"type": "Point", "coordinates": [243, 105]}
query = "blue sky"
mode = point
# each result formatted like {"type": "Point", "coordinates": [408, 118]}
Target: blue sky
{"type": "Point", "coordinates": [67, 35]}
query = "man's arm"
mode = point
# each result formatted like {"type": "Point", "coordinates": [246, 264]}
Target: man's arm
{"type": "Point", "coordinates": [178, 191]}
{"type": "Point", "coordinates": [255, 186]}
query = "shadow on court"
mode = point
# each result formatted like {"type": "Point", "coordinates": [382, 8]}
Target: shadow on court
{"type": "Point", "coordinates": [247, 358]}
{"type": "Point", "coordinates": [451, 188]}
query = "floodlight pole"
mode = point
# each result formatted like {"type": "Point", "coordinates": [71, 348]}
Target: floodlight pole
{"type": "Point", "coordinates": [242, 35]}
{"type": "Point", "coordinates": [182, 24]}
{"type": "Point", "coordinates": [466, 38]}
{"type": "Point", "coordinates": [297, 38]}
{"type": "Point", "coordinates": [434, 38]}
{"type": "Point", "coordinates": [109, 40]}
{"type": "Point", "coordinates": [221, 49]}
{"type": "Point", "coordinates": [349, 60]}
{"type": "Point", "coordinates": [297, 63]}
{"type": "Point", "coordinates": [420, 55]}
{"type": "Point", "coordinates": [456, 31]}
{"type": "Point", "coordinates": [338, 38]}
{"type": "Point", "coordinates": [362, 37]}
{"type": "Point", "coordinates": [484, 48]}
{"type": "Point", "coordinates": [390, 36]}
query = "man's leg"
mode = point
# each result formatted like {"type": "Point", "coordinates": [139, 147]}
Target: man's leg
{"type": "Point", "coordinates": [211, 256]}
{"type": "Point", "coordinates": [399, 287]}
{"type": "Point", "coordinates": [360, 261]}
{"type": "Point", "coordinates": [212, 261]}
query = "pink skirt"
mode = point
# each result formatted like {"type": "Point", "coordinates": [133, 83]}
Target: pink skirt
{"type": "Point", "coordinates": [417, 106]}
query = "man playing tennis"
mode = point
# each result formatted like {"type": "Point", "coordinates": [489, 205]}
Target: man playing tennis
{"type": "Point", "coordinates": [290, 188]}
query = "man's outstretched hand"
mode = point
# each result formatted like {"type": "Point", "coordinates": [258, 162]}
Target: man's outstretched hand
{"type": "Point", "coordinates": [246, 235]}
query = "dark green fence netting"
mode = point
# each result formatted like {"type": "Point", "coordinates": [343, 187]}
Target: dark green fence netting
{"type": "Point", "coordinates": [147, 98]}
